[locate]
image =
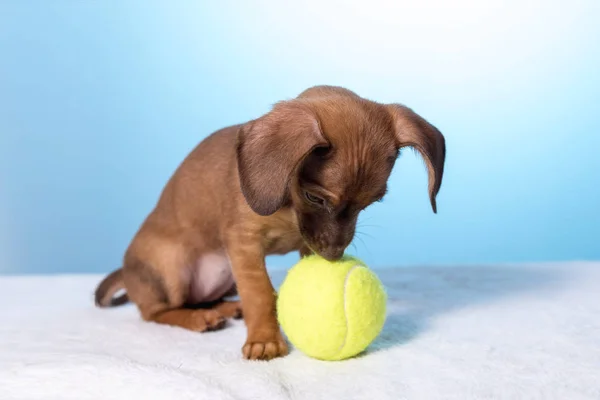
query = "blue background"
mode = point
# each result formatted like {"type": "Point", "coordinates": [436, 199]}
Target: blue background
{"type": "Point", "coordinates": [100, 101]}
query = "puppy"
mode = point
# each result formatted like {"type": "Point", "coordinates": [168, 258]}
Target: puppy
{"type": "Point", "coordinates": [294, 179]}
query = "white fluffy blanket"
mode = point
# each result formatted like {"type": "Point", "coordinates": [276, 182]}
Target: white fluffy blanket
{"type": "Point", "coordinates": [489, 332]}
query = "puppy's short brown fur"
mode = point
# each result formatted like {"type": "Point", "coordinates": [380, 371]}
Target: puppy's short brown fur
{"type": "Point", "coordinates": [293, 179]}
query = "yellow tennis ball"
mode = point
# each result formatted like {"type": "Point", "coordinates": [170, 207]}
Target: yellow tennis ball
{"type": "Point", "coordinates": [331, 310]}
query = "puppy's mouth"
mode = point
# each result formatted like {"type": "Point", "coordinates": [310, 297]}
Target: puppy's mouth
{"type": "Point", "coordinates": [331, 253]}
{"type": "Point", "coordinates": [332, 256]}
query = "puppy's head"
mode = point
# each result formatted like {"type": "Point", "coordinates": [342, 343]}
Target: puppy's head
{"type": "Point", "coordinates": [328, 154]}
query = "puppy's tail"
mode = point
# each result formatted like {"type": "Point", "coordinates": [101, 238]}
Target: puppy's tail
{"type": "Point", "coordinates": [107, 289]}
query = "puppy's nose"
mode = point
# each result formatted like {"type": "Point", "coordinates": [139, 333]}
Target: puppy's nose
{"type": "Point", "coordinates": [332, 253]}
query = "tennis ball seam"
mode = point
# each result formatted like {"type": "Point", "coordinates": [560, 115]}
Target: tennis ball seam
{"type": "Point", "coordinates": [346, 306]}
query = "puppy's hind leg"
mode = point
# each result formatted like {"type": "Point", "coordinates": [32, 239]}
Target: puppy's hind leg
{"type": "Point", "coordinates": [160, 292]}
{"type": "Point", "coordinates": [230, 309]}
{"type": "Point", "coordinates": [227, 308]}
{"type": "Point", "coordinates": [195, 320]}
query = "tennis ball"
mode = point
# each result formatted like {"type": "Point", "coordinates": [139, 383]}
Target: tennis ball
{"type": "Point", "coordinates": [331, 310]}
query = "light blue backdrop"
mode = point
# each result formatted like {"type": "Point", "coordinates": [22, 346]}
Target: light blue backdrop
{"type": "Point", "coordinates": [100, 101]}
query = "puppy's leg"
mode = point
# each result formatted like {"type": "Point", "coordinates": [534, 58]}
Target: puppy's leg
{"type": "Point", "coordinates": [194, 320]}
{"type": "Point", "coordinates": [159, 289]}
{"type": "Point", "coordinates": [264, 339]}
{"type": "Point", "coordinates": [229, 309]}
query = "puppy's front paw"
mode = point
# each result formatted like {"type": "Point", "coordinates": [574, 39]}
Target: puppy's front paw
{"type": "Point", "coordinates": [265, 348]}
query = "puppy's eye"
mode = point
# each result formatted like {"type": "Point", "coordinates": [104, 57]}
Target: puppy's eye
{"type": "Point", "coordinates": [321, 151]}
{"type": "Point", "coordinates": [314, 199]}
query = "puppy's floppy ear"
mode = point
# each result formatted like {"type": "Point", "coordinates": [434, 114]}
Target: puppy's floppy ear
{"type": "Point", "coordinates": [414, 131]}
{"type": "Point", "coordinates": [269, 150]}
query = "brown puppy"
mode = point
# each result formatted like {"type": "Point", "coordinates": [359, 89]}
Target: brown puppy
{"type": "Point", "coordinates": [293, 179]}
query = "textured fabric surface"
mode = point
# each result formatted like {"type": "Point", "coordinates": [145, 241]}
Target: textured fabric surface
{"type": "Point", "coordinates": [489, 332]}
